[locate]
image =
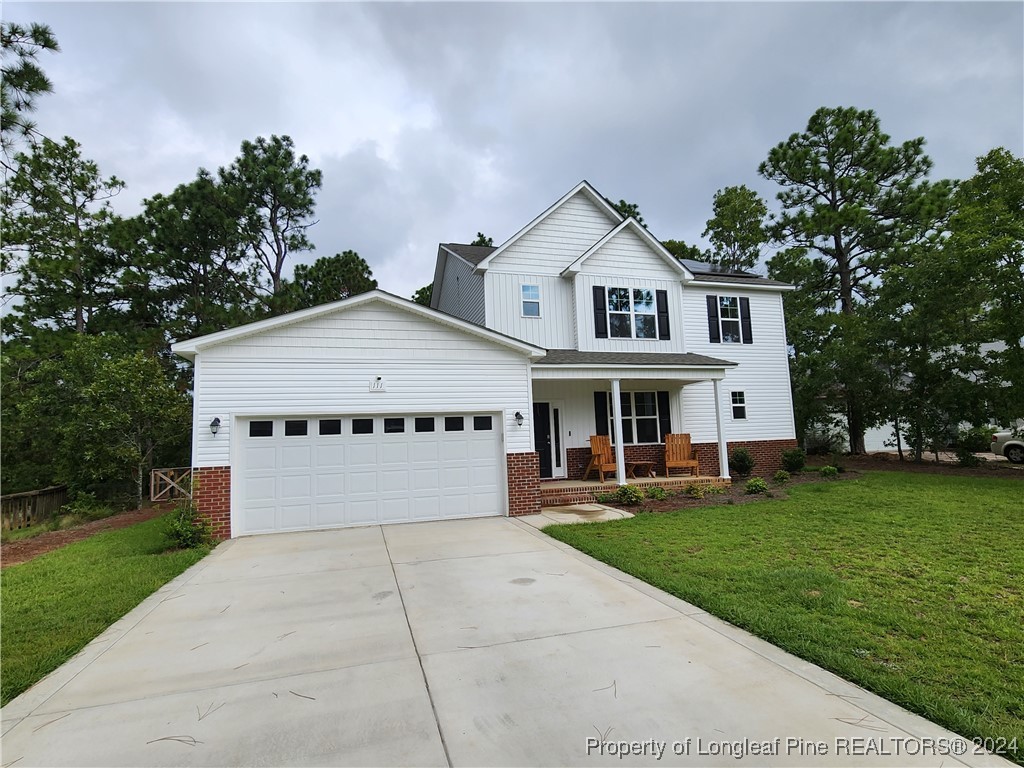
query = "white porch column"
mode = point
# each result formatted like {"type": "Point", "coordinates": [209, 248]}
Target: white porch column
{"type": "Point", "coordinates": [723, 447]}
{"type": "Point", "coordinates": [620, 454]}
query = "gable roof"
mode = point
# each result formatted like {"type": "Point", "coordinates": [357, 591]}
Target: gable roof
{"type": "Point", "coordinates": [471, 254]}
{"type": "Point", "coordinates": [474, 254]}
{"type": "Point", "coordinates": [191, 347]}
{"type": "Point", "coordinates": [583, 187]}
{"type": "Point", "coordinates": [652, 242]}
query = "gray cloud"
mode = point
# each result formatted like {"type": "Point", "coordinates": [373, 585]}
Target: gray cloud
{"type": "Point", "coordinates": [434, 121]}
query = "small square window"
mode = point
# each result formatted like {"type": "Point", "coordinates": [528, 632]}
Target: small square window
{"type": "Point", "coordinates": [330, 426]}
{"type": "Point", "coordinates": [739, 405]}
{"type": "Point", "coordinates": [295, 428]}
{"type": "Point", "coordinates": [261, 429]}
{"type": "Point", "coordinates": [362, 426]}
{"type": "Point", "coordinates": [453, 424]}
{"type": "Point", "coordinates": [392, 426]}
{"type": "Point", "coordinates": [424, 423]}
{"type": "Point", "coordinates": [482, 423]}
{"type": "Point", "coordinates": [531, 300]}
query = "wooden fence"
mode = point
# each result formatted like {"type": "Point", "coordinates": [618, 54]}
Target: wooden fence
{"type": "Point", "coordinates": [20, 510]}
{"type": "Point", "coordinates": [170, 484]}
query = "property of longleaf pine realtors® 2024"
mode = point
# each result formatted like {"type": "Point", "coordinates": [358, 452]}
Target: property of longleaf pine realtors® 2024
{"type": "Point", "coordinates": [842, 745]}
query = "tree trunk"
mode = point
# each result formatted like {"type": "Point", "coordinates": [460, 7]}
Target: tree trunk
{"type": "Point", "coordinates": [855, 423]}
{"type": "Point", "coordinates": [899, 440]}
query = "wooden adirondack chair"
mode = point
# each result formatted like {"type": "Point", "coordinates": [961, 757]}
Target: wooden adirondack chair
{"type": "Point", "coordinates": [679, 454]}
{"type": "Point", "coordinates": [602, 457]}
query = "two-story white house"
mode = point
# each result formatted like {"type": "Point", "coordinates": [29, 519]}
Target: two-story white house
{"type": "Point", "coordinates": [375, 410]}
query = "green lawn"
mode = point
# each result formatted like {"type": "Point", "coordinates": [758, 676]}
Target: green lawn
{"type": "Point", "coordinates": [911, 585]}
{"type": "Point", "coordinates": [54, 605]}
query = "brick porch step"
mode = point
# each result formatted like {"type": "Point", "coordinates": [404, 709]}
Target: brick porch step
{"type": "Point", "coordinates": [557, 493]}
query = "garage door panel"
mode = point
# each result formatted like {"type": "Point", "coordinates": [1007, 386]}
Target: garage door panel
{"type": "Point", "coordinates": [297, 482]}
{"type": "Point", "coordinates": [261, 457]}
{"type": "Point", "coordinates": [330, 514]}
{"type": "Point", "coordinates": [295, 457]}
{"type": "Point", "coordinates": [296, 516]}
{"type": "Point", "coordinates": [296, 486]}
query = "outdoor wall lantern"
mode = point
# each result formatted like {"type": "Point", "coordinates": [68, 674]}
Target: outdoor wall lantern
{"type": "Point", "coordinates": [215, 425]}
{"type": "Point", "coordinates": [519, 418]}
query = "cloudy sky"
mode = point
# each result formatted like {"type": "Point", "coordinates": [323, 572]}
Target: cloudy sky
{"type": "Point", "coordinates": [433, 121]}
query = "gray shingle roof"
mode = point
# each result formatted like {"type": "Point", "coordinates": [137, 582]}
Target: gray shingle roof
{"type": "Point", "coordinates": [474, 254]}
{"type": "Point", "coordinates": [727, 277]}
{"type": "Point", "coordinates": [649, 359]}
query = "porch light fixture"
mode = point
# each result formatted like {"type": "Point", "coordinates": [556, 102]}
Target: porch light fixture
{"type": "Point", "coordinates": [215, 425]}
{"type": "Point", "coordinates": [519, 418]}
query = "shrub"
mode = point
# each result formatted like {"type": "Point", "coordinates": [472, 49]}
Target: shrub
{"type": "Point", "coordinates": [794, 460]}
{"type": "Point", "coordinates": [629, 495]}
{"type": "Point", "coordinates": [187, 529]}
{"type": "Point", "coordinates": [976, 440]}
{"type": "Point", "coordinates": [714, 490]}
{"type": "Point", "coordinates": [657, 493]}
{"type": "Point", "coordinates": [741, 461]}
{"type": "Point", "coordinates": [695, 491]}
{"type": "Point", "coordinates": [781, 477]}
{"type": "Point", "coordinates": [829, 472]}
{"type": "Point", "coordinates": [605, 498]}
{"type": "Point", "coordinates": [757, 485]}
{"type": "Point", "coordinates": [965, 457]}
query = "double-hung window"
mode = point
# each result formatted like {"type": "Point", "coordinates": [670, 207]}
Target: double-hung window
{"type": "Point", "coordinates": [739, 405]}
{"type": "Point", "coordinates": [632, 313]}
{"type": "Point", "coordinates": [639, 417]}
{"type": "Point", "coordinates": [729, 320]}
{"type": "Point", "coordinates": [531, 300]}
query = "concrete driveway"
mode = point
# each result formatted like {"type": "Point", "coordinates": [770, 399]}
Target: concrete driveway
{"type": "Point", "coordinates": [475, 642]}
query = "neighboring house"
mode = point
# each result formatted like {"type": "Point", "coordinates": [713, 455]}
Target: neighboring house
{"type": "Point", "coordinates": [375, 410]}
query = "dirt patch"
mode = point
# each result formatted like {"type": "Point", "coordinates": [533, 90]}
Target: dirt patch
{"type": "Point", "coordinates": [890, 462]}
{"type": "Point", "coordinates": [15, 552]}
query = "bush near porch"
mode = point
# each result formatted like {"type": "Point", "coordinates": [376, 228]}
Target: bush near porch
{"type": "Point", "coordinates": [907, 584]}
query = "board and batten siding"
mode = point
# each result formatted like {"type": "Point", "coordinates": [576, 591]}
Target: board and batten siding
{"type": "Point", "coordinates": [462, 291]}
{"type": "Point", "coordinates": [588, 341]}
{"type": "Point", "coordinates": [324, 366]}
{"type": "Point", "coordinates": [558, 240]}
{"type": "Point", "coordinates": [762, 374]}
{"type": "Point", "coordinates": [556, 326]}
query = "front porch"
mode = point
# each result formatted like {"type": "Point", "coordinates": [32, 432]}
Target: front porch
{"type": "Point", "coordinates": [557, 493]}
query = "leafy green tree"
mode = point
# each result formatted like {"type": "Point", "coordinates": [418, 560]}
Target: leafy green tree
{"type": "Point", "coordinates": [629, 209]}
{"type": "Point", "coordinates": [22, 80]}
{"type": "Point", "coordinates": [482, 239]}
{"type": "Point", "coordinates": [327, 279]}
{"type": "Point", "coordinates": [276, 192]}
{"type": "Point", "coordinates": [737, 228]}
{"type": "Point", "coordinates": [987, 233]}
{"type": "Point", "coordinates": [682, 250]}
{"type": "Point", "coordinates": [104, 414]}
{"type": "Point", "coordinates": [56, 222]}
{"type": "Point", "coordinates": [849, 200]}
{"type": "Point", "coordinates": [423, 295]}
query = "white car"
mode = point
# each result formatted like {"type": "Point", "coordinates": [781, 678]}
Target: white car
{"type": "Point", "coordinates": [1004, 443]}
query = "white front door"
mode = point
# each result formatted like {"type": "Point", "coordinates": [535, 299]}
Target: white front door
{"type": "Point", "coordinates": [307, 472]}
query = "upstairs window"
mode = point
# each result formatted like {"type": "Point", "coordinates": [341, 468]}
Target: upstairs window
{"type": "Point", "coordinates": [531, 300]}
{"type": "Point", "coordinates": [729, 320]}
{"type": "Point", "coordinates": [630, 313]}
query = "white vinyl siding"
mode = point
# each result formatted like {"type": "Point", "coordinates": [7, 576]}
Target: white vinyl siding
{"type": "Point", "coordinates": [326, 364]}
{"type": "Point", "coordinates": [556, 327]}
{"type": "Point", "coordinates": [628, 255]}
{"type": "Point", "coordinates": [558, 240]}
{"type": "Point", "coordinates": [762, 374]}
{"type": "Point", "coordinates": [462, 291]}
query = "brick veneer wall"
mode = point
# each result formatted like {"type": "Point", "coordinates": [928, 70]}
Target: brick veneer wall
{"type": "Point", "coordinates": [767, 455]}
{"type": "Point", "coordinates": [212, 497]}
{"type": "Point", "coordinates": [523, 483]}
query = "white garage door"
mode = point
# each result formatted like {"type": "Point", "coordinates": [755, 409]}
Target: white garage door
{"type": "Point", "coordinates": [300, 473]}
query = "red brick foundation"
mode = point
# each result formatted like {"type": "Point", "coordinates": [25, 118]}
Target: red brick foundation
{"type": "Point", "coordinates": [523, 483]}
{"type": "Point", "coordinates": [212, 497]}
{"type": "Point", "coordinates": [767, 455]}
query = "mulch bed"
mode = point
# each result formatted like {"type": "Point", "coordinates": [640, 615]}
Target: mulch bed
{"type": "Point", "coordinates": [15, 552]}
{"type": "Point", "coordinates": [887, 462]}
